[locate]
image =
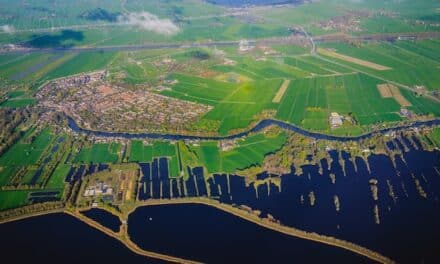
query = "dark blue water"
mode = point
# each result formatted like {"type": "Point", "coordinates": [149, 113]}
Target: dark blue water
{"type": "Point", "coordinates": [408, 225]}
{"type": "Point", "coordinates": [41, 197]}
{"type": "Point", "coordinates": [60, 238]}
{"type": "Point", "coordinates": [260, 126]}
{"type": "Point", "coordinates": [209, 235]}
{"type": "Point", "coordinates": [104, 218]}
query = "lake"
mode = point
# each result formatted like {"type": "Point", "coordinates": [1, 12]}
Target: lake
{"type": "Point", "coordinates": [61, 238]}
{"type": "Point", "coordinates": [206, 234]}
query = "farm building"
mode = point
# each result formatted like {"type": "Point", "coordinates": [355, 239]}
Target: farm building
{"type": "Point", "coordinates": [335, 120]}
{"type": "Point", "coordinates": [244, 46]}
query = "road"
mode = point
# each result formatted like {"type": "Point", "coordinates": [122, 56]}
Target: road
{"type": "Point", "coordinates": [289, 40]}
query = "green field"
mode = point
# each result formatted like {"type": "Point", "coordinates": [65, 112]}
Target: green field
{"type": "Point", "coordinates": [18, 102]}
{"type": "Point", "coordinates": [6, 172]}
{"type": "Point", "coordinates": [248, 152]}
{"type": "Point", "coordinates": [79, 63]}
{"type": "Point", "coordinates": [56, 180]}
{"type": "Point", "coordinates": [99, 153]}
{"type": "Point", "coordinates": [13, 199]}
{"type": "Point", "coordinates": [410, 66]}
{"type": "Point", "coordinates": [27, 177]}
{"type": "Point", "coordinates": [235, 106]}
{"type": "Point", "coordinates": [308, 102]}
{"type": "Point", "coordinates": [26, 153]}
{"type": "Point", "coordinates": [146, 153]}
{"type": "Point", "coordinates": [436, 136]}
{"type": "Point", "coordinates": [140, 152]}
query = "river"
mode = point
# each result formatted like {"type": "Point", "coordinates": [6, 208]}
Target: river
{"type": "Point", "coordinates": [260, 126]}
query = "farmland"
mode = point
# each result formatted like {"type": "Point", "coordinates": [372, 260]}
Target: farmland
{"type": "Point", "coordinates": [12, 199]}
{"type": "Point", "coordinates": [146, 153]}
{"type": "Point", "coordinates": [436, 136]}
{"type": "Point", "coordinates": [308, 102]}
{"type": "Point", "coordinates": [247, 153]}
{"type": "Point", "coordinates": [409, 66]}
{"type": "Point", "coordinates": [58, 177]}
{"type": "Point", "coordinates": [239, 86]}
{"type": "Point", "coordinates": [282, 113]}
{"type": "Point", "coordinates": [99, 153]}
{"type": "Point", "coordinates": [26, 153]}
{"type": "Point", "coordinates": [241, 92]}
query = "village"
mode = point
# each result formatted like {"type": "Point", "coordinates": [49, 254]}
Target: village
{"type": "Point", "coordinates": [96, 104]}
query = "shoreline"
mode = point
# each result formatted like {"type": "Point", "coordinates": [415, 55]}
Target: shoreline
{"type": "Point", "coordinates": [123, 236]}
{"type": "Point", "coordinates": [263, 222]}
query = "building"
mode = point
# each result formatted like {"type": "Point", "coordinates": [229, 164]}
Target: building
{"type": "Point", "coordinates": [244, 46]}
{"type": "Point", "coordinates": [335, 120]}
{"type": "Point", "coordinates": [406, 113]}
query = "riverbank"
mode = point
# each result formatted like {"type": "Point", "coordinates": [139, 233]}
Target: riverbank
{"type": "Point", "coordinates": [257, 128]}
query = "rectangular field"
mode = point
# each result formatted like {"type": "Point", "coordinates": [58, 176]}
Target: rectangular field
{"type": "Point", "coordinates": [392, 91]}
{"type": "Point", "coordinates": [308, 102]}
{"type": "Point", "coordinates": [146, 153]}
{"type": "Point", "coordinates": [412, 63]}
{"type": "Point", "coordinates": [56, 180]}
{"type": "Point", "coordinates": [12, 199]}
{"type": "Point", "coordinates": [354, 60]}
{"type": "Point", "coordinates": [398, 96]}
{"type": "Point", "coordinates": [27, 153]}
{"type": "Point", "coordinates": [99, 153]}
{"type": "Point", "coordinates": [281, 91]}
{"type": "Point", "coordinates": [384, 90]}
{"type": "Point", "coordinates": [247, 152]}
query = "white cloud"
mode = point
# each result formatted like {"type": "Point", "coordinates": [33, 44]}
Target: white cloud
{"type": "Point", "coordinates": [7, 29]}
{"type": "Point", "coordinates": [150, 22]}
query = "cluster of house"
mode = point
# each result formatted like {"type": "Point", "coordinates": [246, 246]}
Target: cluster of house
{"type": "Point", "coordinates": [226, 144]}
{"type": "Point", "coordinates": [97, 105]}
{"type": "Point", "coordinates": [406, 113]}
{"type": "Point", "coordinates": [267, 50]}
{"type": "Point", "coordinates": [13, 47]}
{"type": "Point", "coordinates": [99, 189]}
{"type": "Point", "coordinates": [346, 23]}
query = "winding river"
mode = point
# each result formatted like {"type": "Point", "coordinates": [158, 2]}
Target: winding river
{"type": "Point", "coordinates": [258, 127]}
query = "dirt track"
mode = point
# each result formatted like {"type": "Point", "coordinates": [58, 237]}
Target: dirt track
{"type": "Point", "coordinates": [281, 91]}
{"type": "Point", "coordinates": [357, 61]}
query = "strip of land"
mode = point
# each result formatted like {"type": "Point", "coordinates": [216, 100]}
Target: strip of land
{"type": "Point", "coordinates": [281, 91]}
{"type": "Point", "coordinates": [357, 61]}
{"type": "Point", "coordinates": [124, 239]}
